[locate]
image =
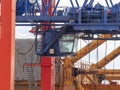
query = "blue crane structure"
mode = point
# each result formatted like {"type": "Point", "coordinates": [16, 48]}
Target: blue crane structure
{"type": "Point", "coordinates": [68, 22]}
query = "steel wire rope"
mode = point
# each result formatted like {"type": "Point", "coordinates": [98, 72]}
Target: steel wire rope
{"type": "Point", "coordinates": [105, 60]}
{"type": "Point", "coordinates": [81, 61]}
{"type": "Point", "coordinates": [31, 66]}
{"type": "Point", "coordinates": [114, 56]}
{"type": "Point", "coordinates": [31, 62]}
{"type": "Point", "coordinates": [30, 35]}
{"type": "Point", "coordinates": [31, 72]}
{"type": "Point", "coordinates": [23, 62]}
{"type": "Point", "coordinates": [97, 57]}
{"type": "Point", "coordinates": [17, 59]}
{"type": "Point", "coordinates": [24, 36]}
{"type": "Point", "coordinates": [82, 65]}
{"type": "Point", "coordinates": [33, 82]}
{"type": "Point", "coordinates": [89, 53]}
{"type": "Point", "coordinates": [24, 53]}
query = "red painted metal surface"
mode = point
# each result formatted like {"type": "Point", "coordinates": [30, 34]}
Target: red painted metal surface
{"type": "Point", "coordinates": [47, 73]}
{"type": "Point", "coordinates": [47, 63]}
{"type": "Point", "coordinates": [7, 40]}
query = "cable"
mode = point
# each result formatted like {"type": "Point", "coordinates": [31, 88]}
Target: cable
{"type": "Point", "coordinates": [24, 53]}
{"type": "Point", "coordinates": [97, 54]}
{"type": "Point", "coordinates": [114, 56]}
{"type": "Point", "coordinates": [96, 76]}
{"type": "Point", "coordinates": [105, 59]}
{"type": "Point", "coordinates": [89, 53]}
{"type": "Point", "coordinates": [24, 36]}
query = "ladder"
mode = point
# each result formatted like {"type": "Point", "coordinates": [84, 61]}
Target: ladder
{"type": "Point", "coordinates": [30, 77]}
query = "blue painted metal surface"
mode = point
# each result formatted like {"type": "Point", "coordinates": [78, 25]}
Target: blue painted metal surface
{"type": "Point", "coordinates": [23, 6]}
{"type": "Point", "coordinates": [78, 17]}
{"type": "Point", "coordinates": [86, 19]}
{"type": "Point", "coordinates": [55, 42]}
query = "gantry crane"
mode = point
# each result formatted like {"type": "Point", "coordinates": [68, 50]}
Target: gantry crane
{"type": "Point", "coordinates": [87, 19]}
{"type": "Point", "coordinates": [7, 39]}
{"type": "Point", "coordinates": [75, 21]}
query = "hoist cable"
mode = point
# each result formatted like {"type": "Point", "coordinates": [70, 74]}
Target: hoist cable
{"type": "Point", "coordinates": [105, 59]}
{"type": "Point", "coordinates": [24, 36]}
{"type": "Point", "coordinates": [96, 75]}
{"type": "Point", "coordinates": [24, 53]}
{"type": "Point", "coordinates": [97, 56]}
{"type": "Point", "coordinates": [114, 55]}
{"type": "Point", "coordinates": [89, 52]}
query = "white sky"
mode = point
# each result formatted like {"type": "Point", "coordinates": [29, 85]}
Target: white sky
{"type": "Point", "coordinates": [67, 2]}
{"type": "Point", "coordinates": [23, 32]}
{"type": "Point", "coordinates": [100, 53]}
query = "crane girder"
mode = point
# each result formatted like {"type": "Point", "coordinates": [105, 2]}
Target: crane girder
{"type": "Point", "coordinates": [102, 71]}
{"type": "Point", "coordinates": [98, 71]}
{"type": "Point", "coordinates": [112, 76]}
{"type": "Point", "coordinates": [101, 87]}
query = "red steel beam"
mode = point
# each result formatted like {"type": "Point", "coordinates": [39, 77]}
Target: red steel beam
{"type": "Point", "coordinates": [47, 73]}
{"type": "Point", "coordinates": [47, 63]}
{"type": "Point", "coordinates": [7, 42]}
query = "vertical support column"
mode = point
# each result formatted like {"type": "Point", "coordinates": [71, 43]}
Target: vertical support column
{"type": "Point", "coordinates": [47, 63]}
{"type": "Point", "coordinates": [47, 73]}
{"type": "Point", "coordinates": [7, 39]}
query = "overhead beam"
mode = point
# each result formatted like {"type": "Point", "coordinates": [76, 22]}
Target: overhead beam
{"type": "Point", "coordinates": [106, 71]}
{"type": "Point", "coordinates": [7, 44]}
{"type": "Point", "coordinates": [112, 76]}
{"type": "Point", "coordinates": [101, 87]}
{"type": "Point", "coordinates": [47, 63]}
{"type": "Point", "coordinates": [99, 71]}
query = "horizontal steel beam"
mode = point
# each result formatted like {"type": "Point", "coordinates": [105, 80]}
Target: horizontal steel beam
{"type": "Point", "coordinates": [101, 87]}
{"type": "Point", "coordinates": [112, 76]}
{"type": "Point", "coordinates": [99, 71]}
{"type": "Point", "coordinates": [42, 19]}
{"type": "Point", "coordinates": [101, 27]}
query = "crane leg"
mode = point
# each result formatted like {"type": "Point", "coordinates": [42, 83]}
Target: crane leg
{"type": "Point", "coordinates": [7, 41]}
{"type": "Point", "coordinates": [47, 73]}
